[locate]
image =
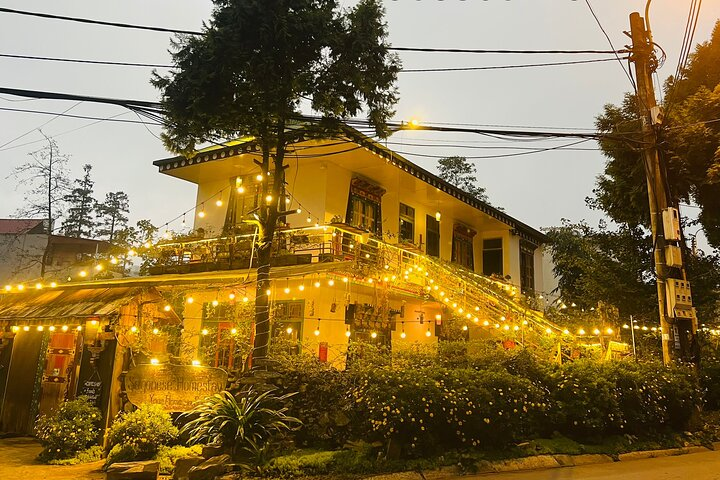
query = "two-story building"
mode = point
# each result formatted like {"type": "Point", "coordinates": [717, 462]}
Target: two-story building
{"type": "Point", "coordinates": [372, 248]}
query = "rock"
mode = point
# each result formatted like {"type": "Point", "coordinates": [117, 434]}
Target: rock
{"type": "Point", "coordinates": [564, 460]}
{"type": "Point", "coordinates": [209, 451]}
{"type": "Point", "coordinates": [148, 470]}
{"type": "Point", "coordinates": [183, 466]}
{"type": "Point", "coordinates": [210, 468]}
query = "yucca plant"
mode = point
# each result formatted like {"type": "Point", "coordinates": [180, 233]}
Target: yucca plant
{"type": "Point", "coordinates": [243, 424]}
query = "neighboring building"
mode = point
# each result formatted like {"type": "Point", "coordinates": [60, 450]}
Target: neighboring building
{"type": "Point", "coordinates": [382, 252]}
{"type": "Point", "coordinates": [25, 242]}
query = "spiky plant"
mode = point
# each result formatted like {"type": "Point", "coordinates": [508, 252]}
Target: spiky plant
{"type": "Point", "coordinates": [245, 423]}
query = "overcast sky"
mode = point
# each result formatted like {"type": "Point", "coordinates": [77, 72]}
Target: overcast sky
{"type": "Point", "coordinates": [538, 189]}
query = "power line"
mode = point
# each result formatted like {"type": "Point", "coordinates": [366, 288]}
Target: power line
{"type": "Point", "coordinates": [397, 49]}
{"type": "Point", "coordinates": [502, 67]}
{"type": "Point", "coordinates": [93, 62]}
{"type": "Point", "coordinates": [411, 70]}
{"type": "Point", "coordinates": [98, 22]}
{"type": "Point", "coordinates": [84, 117]}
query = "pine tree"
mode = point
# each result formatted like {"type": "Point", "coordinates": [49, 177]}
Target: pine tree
{"type": "Point", "coordinates": [80, 221]}
{"type": "Point", "coordinates": [112, 214]}
{"type": "Point", "coordinates": [461, 173]}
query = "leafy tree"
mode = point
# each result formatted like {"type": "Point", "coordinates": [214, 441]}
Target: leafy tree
{"type": "Point", "coordinates": [461, 173]}
{"type": "Point", "coordinates": [689, 144]}
{"type": "Point", "coordinates": [81, 205]}
{"type": "Point", "coordinates": [112, 214]}
{"type": "Point", "coordinates": [47, 180]}
{"type": "Point", "coordinates": [248, 73]}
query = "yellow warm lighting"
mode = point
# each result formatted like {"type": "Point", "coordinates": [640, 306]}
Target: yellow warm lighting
{"type": "Point", "coordinates": [548, 330]}
{"type": "Point", "coordinates": [486, 323]}
{"type": "Point", "coordinates": [79, 328]}
{"type": "Point", "coordinates": [21, 287]}
{"type": "Point", "coordinates": [566, 331]}
{"type": "Point", "coordinates": [331, 282]}
{"type": "Point", "coordinates": [268, 292]}
{"type": "Point", "coordinates": [233, 331]}
{"type": "Point", "coordinates": [15, 328]}
{"type": "Point", "coordinates": [317, 332]}
{"type": "Point", "coordinates": [581, 331]}
{"type": "Point", "coordinates": [438, 215]}
{"type": "Point", "coordinates": [167, 308]}
{"type": "Point", "coordinates": [201, 214]}
{"type": "Point", "coordinates": [8, 288]}
{"type": "Point", "coordinates": [438, 317]}
{"type": "Point", "coordinates": [38, 286]}
{"type": "Point", "coordinates": [204, 331]}
{"type": "Point", "coordinates": [93, 322]}
{"type": "Point", "coordinates": [98, 267]}
{"type": "Point", "coordinates": [506, 327]}
{"type": "Point", "coordinates": [40, 328]}
{"type": "Point", "coordinates": [596, 331]}
{"type": "Point", "coordinates": [64, 328]}
{"type": "Point", "coordinates": [196, 363]}
{"type": "Point", "coordinates": [286, 290]}
{"type": "Point", "coordinates": [373, 334]}
{"type": "Point", "coordinates": [154, 361]}
{"type": "Point", "coordinates": [259, 177]}
{"type": "Point", "coordinates": [132, 253]}
{"type": "Point", "coordinates": [26, 328]}
{"type": "Point", "coordinates": [215, 303]}
{"type": "Point", "coordinates": [147, 245]}
{"type": "Point", "coordinates": [301, 287]}
{"type": "Point", "coordinates": [609, 331]}
{"type": "Point", "coordinates": [403, 335]}
{"type": "Point", "coordinates": [241, 190]}
{"type": "Point", "coordinates": [53, 284]}
{"type": "Point", "coordinates": [231, 296]}
{"type": "Point", "coordinates": [218, 203]}
{"type": "Point", "coordinates": [51, 328]}
{"type": "Point", "coordinates": [113, 260]}
{"type": "Point", "coordinates": [316, 284]}
{"type": "Point", "coordinates": [269, 198]}
{"type": "Point", "coordinates": [347, 333]}
{"type": "Point", "coordinates": [289, 330]}
{"type": "Point", "coordinates": [190, 300]}
{"type": "Point", "coordinates": [427, 333]}
{"type": "Point", "coordinates": [83, 273]}
{"type": "Point", "coordinates": [156, 331]}
{"type": "Point", "coordinates": [465, 327]}
{"type": "Point", "coordinates": [245, 299]}
{"type": "Point", "coordinates": [133, 329]}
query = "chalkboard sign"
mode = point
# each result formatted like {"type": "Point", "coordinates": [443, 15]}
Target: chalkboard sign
{"type": "Point", "coordinates": [92, 389]}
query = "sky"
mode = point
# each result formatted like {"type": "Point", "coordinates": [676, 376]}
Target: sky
{"type": "Point", "coordinates": [539, 189]}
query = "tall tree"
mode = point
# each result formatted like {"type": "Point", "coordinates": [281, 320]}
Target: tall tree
{"type": "Point", "coordinates": [112, 214]}
{"type": "Point", "coordinates": [47, 179]}
{"type": "Point", "coordinates": [461, 173]}
{"type": "Point", "coordinates": [689, 144]}
{"type": "Point", "coordinates": [80, 221]}
{"type": "Point", "coordinates": [248, 73]}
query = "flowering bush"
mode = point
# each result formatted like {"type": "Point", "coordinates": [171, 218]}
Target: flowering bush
{"type": "Point", "coordinates": [137, 435]}
{"type": "Point", "coordinates": [69, 430]}
{"type": "Point", "coordinates": [423, 409]}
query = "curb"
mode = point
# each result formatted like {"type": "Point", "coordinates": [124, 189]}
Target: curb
{"type": "Point", "coordinates": [541, 462]}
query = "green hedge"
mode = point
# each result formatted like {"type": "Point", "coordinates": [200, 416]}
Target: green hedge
{"type": "Point", "coordinates": [483, 397]}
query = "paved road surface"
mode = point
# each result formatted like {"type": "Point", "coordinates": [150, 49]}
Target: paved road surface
{"type": "Point", "coordinates": [697, 466]}
{"type": "Point", "coordinates": [17, 462]}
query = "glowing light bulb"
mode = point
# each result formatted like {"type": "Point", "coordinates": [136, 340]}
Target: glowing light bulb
{"type": "Point", "coordinates": [316, 284]}
{"type": "Point", "coordinates": [317, 332]}
{"type": "Point", "coordinates": [609, 331]}
{"type": "Point", "coordinates": [289, 330]}
{"type": "Point", "coordinates": [438, 215]}
{"type": "Point", "coordinates": [38, 286]}
{"type": "Point", "coordinates": [15, 328]}
{"type": "Point", "coordinates": [219, 203]}
{"type": "Point", "coordinates": [581, 331]}
{"type": "Point", "coordinates": [465, 327]}
{"type": "Point", "coordinates": [78, 328]}
{"type": "Point", "coordinates": [156, 331]}
{"type": "Point", "coordinates": [40, 328]}
{"type": "Point", "coordinates": [427, 333]}
{"type": "Point", "coordinates": [231, 296]}
{"type": "Point", "coordinates": [241, 190]}
{"type": "Point", "coordinates": [82, 273]}
{"type": "Point", "coordinates": [596, 331]}
{"type": "Point", "coordinates": [131, 253]}
{"type": "Point", "coordinates": [301, 287]}
{"type": "Point", "coordinates": [233, 331]}
{"type": "Point", "coordinates": [245, 299]}
{"type": "Point", "coordinates": [167, 308]}
{"type": "Point", "coordinates": [154, 361]}
{"type": "Point", "coordinates": [331, 282]}
{"type": "Point", "coordinates": [259, 177]}
{"type": "Point", "coordinates": [196, 363]}
{"type": "Point", "coordinates": [190, 300]}
{"type": "Point", "coordinates": [201, 214]}
{"type": "Point", "coordinates": [373, 334]}
{"type": "Point", "coordinates": [21, 287]}
{"type": "Point", "coordinates": [269, 198]}
{"type": "Point", "coordinates": [286, 290]}
{"type": "Point", "coordinates": [204, 331]}
{"type": "Point", "coordinates": [53, 284]}
{"type": "Point", "coordinates": [8, 288]}
{"type": "Point", "coordinates": [26, 328]}
{"type": "Point", "coordinates": [64, 328]}
{"type": "Point", "coordinates": [133, 329]}
{"type": "Point", "coordinates": [268, 292]}
{"type": "Point", "coordinates": [347, 332]}
{"type": "Point", "coordinates": [548, 330]}
{"type": "Point", "coordinates": [486, 323]}
{"type": "Point", "coordinates": [215, 303]}
{"type": "Point", "coordinates": [51, 328]}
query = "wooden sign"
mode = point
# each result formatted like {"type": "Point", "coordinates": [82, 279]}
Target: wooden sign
{"type": "Point", "coordinates": [175, 387]}
{"type": "Point", "coordinates": [92, 389]}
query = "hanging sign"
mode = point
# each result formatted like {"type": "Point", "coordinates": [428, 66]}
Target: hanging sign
{"type": "Point", "coordinates": [175, 387]}
{"type": "Point", "coordinates": [92, 389]}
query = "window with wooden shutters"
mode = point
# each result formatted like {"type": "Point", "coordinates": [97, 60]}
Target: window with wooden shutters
{"type": "Point", "coordinates": [432, 234]}
{"type": "Point", "coordinates": [527, 266]}
{"type": "Point", "coordinates": [406, 231]}
{"type": "Point", "coordinates": [462, 248]}
{"type": "Point", "coordinates": [493, 256]}
{"type": "Point", "coordinates": [363, 210]}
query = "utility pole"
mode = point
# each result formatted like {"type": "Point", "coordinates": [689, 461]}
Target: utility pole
{"type": "Point", "coordinates": [678, 324]}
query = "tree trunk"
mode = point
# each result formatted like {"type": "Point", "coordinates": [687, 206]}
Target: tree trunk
{"type": "Point", "coordinates": [267, 224]}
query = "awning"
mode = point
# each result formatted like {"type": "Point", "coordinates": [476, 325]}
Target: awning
{"type": "Point", "coordinates": [34, 306]}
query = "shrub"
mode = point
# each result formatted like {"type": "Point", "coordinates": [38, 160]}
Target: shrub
{"type": "Point", "coordinates": [167, 456]}
{"type": "Point", "coordinates": [137, 435]}
{"type": "Point", "coordinates": [70, 429]}
{"type": "Point", "coordinates": [243, 424]}
{"type": "Point", "coordinates": [322, 401]}
{"type": "Point", "coordinates": [92, 454]}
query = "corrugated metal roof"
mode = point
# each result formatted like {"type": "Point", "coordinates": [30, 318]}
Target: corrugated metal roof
{"type": "Point", "coordinates": [66, 303]}
{"type": "Point", "coordinates": [18, 225]}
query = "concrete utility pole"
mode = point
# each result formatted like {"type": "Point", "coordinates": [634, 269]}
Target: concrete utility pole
{"type": "Point", "coordinates": [677, 317]}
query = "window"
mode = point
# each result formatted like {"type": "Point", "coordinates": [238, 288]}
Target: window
{"type": "Point", "coordinates": [433, 236]}
{"type": "Point", "coordinates": [244, 198]}
{"type": "Point", "coordinates": [527, 267]}
{"type": "Point", "coordinates": [406, 232]}
{"type": "Point", "coordinates": [218, 344]}
{"type": "Point", "coordinates": [462, 248]}
{"type": "Point", "coordinates": [492, 256]}
{"type": "Point", "coordinates": [287, 323]}
{"type": "Point", "coordinates": [363, 209]}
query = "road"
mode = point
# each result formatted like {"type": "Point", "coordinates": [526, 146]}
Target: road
{"type": "Point", "coordinates": [697, 466]}
{"type": "Point", "coordinates": [17, 462]}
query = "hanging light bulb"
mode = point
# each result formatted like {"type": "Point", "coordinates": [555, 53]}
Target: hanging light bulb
{"type": "Point", "coordinates": [190, 300]}
{"type": "Point", "coordinates": [215, 303]}
{"type": "Point", "coordinates": [167, 308]}
{"type": "Point", "coordinates": [156, 331]}
{"type": "Point", "coordinates": [438, 215]}
{"type": "Point", "coordinates": [609, 331]}
{"type": "Point", "coordinates": [373, 334]}
{"type": "Point", "coordinates": [113, 260]}
{"type": "Point", "coordinates": [231, 296]}
{"type": "Point", "coordinates": [316, 284]}
{"type": "Point", "coordinates": [581, 331]}
{"type": "Point", "coordinates": [133, 329]}
{"type": "Point", "coordinates": [259, 177]}
{"type": "Point", "coordinates": [183, 221]}
{"type": "Point", "coordinates": [331, 282]}
{"type": "Point", "coordinates": [427, 333]}
{"type": "Point", "coordinates": [233, 331]}
{"type": "Point", "coordinates": [402, 334]}
{"type": "Point", "coordinates": [268, 199]}
{"type": "Point", "coordinates": [64, 328]}
{"type": "Point", "coordinates": [301, 287]}
{"type": "Point", "coordinates": [219, 202]}
{"type": "Point", "coordinates": [204, 331]}
{"type": "Point", "coordinates": [347, 331]}
{"type": "Point", "coordinates": [289, 330]}
{"type": "Point", "coordinates": [241, 190]}
{"type": "Point", "coordinates": [465, 327]}
{"type": "Point", "coordinates": [201, 213]}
